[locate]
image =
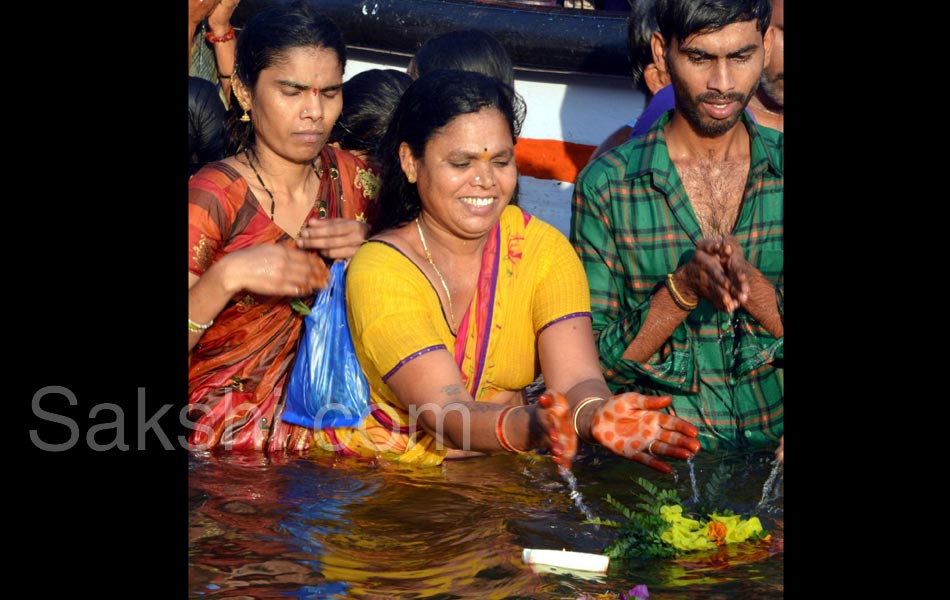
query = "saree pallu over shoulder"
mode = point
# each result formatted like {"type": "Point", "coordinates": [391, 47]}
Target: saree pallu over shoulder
{"type": "Point", "coordinates": [501, 258]}
{"type": "Point", "coordinates": [529, 278]}
{"type": "Point", "coordinates": [238, 369]}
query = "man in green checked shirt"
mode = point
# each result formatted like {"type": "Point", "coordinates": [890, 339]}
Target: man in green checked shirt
{"type": "Point", "coordinates": [681, 234]}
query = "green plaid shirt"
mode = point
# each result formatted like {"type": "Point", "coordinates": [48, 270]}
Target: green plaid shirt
{"type": "Point", "coordinates": [631, 224]}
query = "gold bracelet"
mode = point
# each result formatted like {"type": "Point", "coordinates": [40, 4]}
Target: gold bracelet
{"type": "Point", "coordinates": [677, 299]}
{"type": "Point", "coordinates": [577, 411]}
{"type": "Point", "coordinates": [500, 431]}
{"type": "Point", "coordinates": [198, 327]}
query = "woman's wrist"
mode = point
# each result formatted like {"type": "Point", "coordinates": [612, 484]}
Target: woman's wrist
{"type": "Point", "coordinates": [214, 38]}
{"type": "Point", "coordinates": [219, 28]}
{"type": "Point", "coordinates": [222, 277]}
{"type": "Point", "coordinates": [582, 416]}
{"type": "Point", "coordinates": [537, 437]}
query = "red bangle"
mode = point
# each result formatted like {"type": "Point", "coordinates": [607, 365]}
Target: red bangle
{"type": "Point", "coordinates": [227, 37]}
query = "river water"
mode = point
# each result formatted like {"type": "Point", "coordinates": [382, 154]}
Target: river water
{"type": "Point", "coordinates": [325, 528]}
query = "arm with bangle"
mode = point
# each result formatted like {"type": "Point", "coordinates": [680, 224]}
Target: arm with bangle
{"type": "Point", "coordinates": [629, 425]}
{"type": "Point", "coordinates": [632, 425]}
{"type": "Point", "coordinates": [206, 298]}
{"type": "Point", "coordinates": [430, 388]}
{"type": "Point", "coordinates": [267, 269]}
{"type": "Point", "coordinates": [716, 272]}
{"type": "Point", "coordinates": [668, 308]}
{"type": "Point", "coordinates": [222, 36]}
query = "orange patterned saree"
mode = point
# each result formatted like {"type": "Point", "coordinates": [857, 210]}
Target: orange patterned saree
{"type": "Point", "coordinates": [238, 369]}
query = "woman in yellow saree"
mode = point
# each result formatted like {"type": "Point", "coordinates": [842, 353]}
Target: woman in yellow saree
{"type": "Point", "coordinates": [459, 299]}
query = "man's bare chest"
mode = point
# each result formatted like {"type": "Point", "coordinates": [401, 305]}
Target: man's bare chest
{"type": "Point", "coordinates": [715, 192]}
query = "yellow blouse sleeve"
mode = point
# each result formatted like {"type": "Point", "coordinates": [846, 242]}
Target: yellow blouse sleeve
{"type": "Point", "coordinates": [561, 288]}
{"type": "Point", "coordinates": [392, 308]}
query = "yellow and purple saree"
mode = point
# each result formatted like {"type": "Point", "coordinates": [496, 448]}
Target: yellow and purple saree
{"type": "Point", "coordinates": [530, 278]}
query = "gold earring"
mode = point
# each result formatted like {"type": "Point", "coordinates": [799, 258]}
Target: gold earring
{"type": "Point", "coordinates": [411, 178]}
{"type": "Point", "coordinates": [245, 118]}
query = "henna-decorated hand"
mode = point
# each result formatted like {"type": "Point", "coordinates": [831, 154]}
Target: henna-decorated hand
{"type": "Point", "coordinates": [706, 277]}
{"type": "Point", "coordinates": [554, 414]}
{"type": "Point", "coordinates": [735, 267]}
{"type": "Point", "coordinates": [717, 272]}
{"type": "Point", "coordinates": [632, 425]}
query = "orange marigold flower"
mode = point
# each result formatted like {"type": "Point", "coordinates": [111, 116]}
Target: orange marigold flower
{"type": "Point", "coordinates": [717, 532]}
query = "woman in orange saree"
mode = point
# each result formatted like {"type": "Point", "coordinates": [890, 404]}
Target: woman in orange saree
{"type": "Point", "coordinates": [261, 225]}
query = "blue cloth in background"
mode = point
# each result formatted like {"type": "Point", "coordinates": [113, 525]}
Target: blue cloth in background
{"type": "Point", "coordinates": [663, 101]}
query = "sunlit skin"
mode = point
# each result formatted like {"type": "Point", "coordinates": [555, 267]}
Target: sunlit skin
{"type": "Point", "coordinates": [714, 74]}
{"type": "Point", "coordinates": [291, 125]}
{"type": "Point", "coordinates": [556, 422]}
{"type": "Point", "coordinates": [631, 425]}
{"type": "Point", "coordinates": [466, 177]}
{"type": "Point", "coordinates": [295, 105]}
{"type": "Point", "coordinates": [197, 11]}
{"type": "Point", "coordinates": [772, 86]}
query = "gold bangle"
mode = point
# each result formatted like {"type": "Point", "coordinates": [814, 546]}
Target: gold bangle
{"type": "Point", "coordinates": [198, 327]}
{"type": "Point", "coordinates": [677, 299]}
{"type": "Point", "coordinates": [577, 411]}
{"type": "Point", "coordinates": [500, 431]}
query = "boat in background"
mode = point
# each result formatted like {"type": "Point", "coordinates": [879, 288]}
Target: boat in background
{"type": "Point", "coordinates": [571, 68]}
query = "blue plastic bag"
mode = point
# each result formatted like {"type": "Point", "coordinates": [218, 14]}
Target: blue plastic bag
{"type": "Point", "coordinates": [326, 387]}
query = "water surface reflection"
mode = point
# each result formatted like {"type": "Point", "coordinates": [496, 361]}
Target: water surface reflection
{"type": "Point", "coordinates": [322, 528]}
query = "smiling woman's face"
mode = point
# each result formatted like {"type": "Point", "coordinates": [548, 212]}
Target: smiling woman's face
{"type": "Point", "coordinates": [467, 175]}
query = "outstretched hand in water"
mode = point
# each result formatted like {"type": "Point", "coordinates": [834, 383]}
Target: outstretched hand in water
{"type": "Point", "coordinates": [554, 414]}
{"type": "Point", "coordinates": [631, 425]}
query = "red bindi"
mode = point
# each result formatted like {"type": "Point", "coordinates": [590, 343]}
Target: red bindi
{"type": "Point", "coordinates": [314, 90]}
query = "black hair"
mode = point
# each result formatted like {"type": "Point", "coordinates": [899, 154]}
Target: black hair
{"type": "Point", "coordinates": [465, 50]}
{"type": "Point", "coordinates": [641, 23]}
{"type": "Point", "coordinates": [682, 18]}
{"type": "Point", "coordinates": [369, 98]}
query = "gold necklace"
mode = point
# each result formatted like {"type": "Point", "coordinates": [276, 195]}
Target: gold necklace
{"type": "Point", "coordinates": [445, 286]}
